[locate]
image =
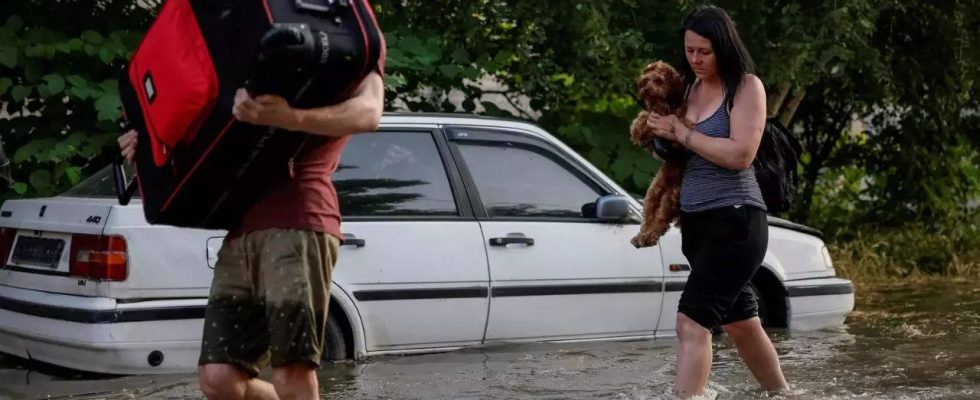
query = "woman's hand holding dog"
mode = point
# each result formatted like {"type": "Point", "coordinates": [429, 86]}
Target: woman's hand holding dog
{"type": "Point", "coordinates": [665, 126]}
{"type": "Point", "coordinates": [669, 127]}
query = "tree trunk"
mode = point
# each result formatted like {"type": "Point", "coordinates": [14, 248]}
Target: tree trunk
{"type": "Point", "coordinates": [790, 111]}
{"type": "Point", "coordinates": [818, 158]}
{"type": "Point", "coordinates": [775, 101]}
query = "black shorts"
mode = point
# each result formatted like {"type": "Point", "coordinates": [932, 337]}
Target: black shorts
{"type": "Point", "coordinates": [725, 247]}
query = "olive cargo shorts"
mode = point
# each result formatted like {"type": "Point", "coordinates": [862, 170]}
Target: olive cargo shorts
{"type": "Point", "coordinates": [269, 299]}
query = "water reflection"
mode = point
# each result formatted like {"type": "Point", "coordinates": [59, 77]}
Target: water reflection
{"type": "Point", "coordinates": [902, 342]}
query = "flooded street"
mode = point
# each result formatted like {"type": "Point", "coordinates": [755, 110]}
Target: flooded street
{"type": "Point", "coordinates": [916, 341]}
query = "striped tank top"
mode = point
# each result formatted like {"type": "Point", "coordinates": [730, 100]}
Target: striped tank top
{"type": "Point", "coordinates": [707, 186]}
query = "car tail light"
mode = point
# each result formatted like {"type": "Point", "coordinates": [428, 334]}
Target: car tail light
{"type": "Point", "coordinates": [7, 236]}
{"type": "Point", "coordinates": [98, 257]}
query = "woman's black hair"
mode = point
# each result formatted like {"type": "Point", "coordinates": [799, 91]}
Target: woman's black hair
{"type": "Point", "coordinates": [732, 57]}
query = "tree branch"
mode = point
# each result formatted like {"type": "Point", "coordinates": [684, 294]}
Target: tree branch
{"type": "Point", "coordinates": [506, 96]}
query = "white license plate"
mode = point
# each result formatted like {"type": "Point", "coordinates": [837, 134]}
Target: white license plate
{"type": "Point", "coordinates": [39, 251]}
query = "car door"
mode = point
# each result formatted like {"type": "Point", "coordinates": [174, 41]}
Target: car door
{"type": "Point", "coordinates": [556, 271]}
{"type": "Point", "coordinates": [676, 271]}
{"type": "Point", "coordinates": [412, 258]}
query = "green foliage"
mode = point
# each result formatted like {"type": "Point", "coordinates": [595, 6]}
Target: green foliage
{"type": "Point", "coordinates": [58, 87]}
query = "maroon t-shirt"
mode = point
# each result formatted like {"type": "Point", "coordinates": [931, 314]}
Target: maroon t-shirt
{"type": "Point", "coordinates": [308, 201]}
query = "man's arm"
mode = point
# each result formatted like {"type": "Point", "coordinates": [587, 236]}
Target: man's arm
{"type": "Point", "coordinates": [360, 113]}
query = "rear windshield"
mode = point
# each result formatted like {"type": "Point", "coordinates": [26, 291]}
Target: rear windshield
{"type": "Point", "coordinates": [99, 185]}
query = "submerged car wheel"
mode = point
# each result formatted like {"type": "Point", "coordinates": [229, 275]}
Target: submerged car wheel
{"type": "Point", "coordinates": [771, 294]}
{"type": "Point", "coordinates": [335, 348]}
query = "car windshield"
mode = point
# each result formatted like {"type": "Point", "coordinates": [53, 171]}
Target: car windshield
{"type": "Point", "coordinates": [99, 185]}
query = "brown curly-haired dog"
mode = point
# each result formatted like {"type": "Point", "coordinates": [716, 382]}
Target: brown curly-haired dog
{"type": "Point", "coordinates": [662, 90]}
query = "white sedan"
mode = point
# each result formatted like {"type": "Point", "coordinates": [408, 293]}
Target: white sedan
{"type": "Point", "coordinates": [459, 231]}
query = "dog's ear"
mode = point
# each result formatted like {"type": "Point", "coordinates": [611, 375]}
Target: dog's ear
{"type": "Point", "coordinates": [642, 80]}
{"type": "Point", "coordinates": [639, 102]}
{"type": "Point", "coordinates": [640, 87]}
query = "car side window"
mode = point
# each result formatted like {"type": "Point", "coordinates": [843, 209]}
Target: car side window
{"type": "Point", "coordinates": [393, 174]}
{"type": "Point", "coordinates": [524, 180]}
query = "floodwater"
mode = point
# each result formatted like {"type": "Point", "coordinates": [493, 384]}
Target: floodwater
{"type": "Point", "coordinates": [913, 341]}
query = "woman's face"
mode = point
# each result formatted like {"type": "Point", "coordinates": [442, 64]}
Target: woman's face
{"type": "Point", "coordinates": [700, 55]}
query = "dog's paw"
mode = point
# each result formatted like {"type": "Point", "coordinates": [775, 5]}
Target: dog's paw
{"type": "Point", "coordinates": [642, 240]}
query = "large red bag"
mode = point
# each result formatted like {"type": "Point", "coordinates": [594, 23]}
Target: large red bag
{"type": "Point", "coordinates": [197, 166]}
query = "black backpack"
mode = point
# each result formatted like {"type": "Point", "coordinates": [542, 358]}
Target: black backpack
{"type": "Point", "coordinates": [775, 166]}
{"type": "Point", "coordinates": [775, 163]}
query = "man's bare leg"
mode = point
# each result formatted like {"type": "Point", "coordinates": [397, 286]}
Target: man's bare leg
{"type": "Point", "coordinates": [296, 381]}
{"type": "Point", "coordinates": [226, 381]}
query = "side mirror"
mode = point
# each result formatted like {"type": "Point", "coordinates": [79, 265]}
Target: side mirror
{"type": "Point", "coordinates": [612, 207]}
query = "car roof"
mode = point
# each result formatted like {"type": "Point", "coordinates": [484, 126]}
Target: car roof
{"type": "Point", "coordinates": [424, 118]}
{"type": "Point", "coordinates": [428, 116]}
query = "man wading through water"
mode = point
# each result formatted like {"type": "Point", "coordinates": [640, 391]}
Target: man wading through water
{"type": "Point", "coordinates": [271, 289]}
